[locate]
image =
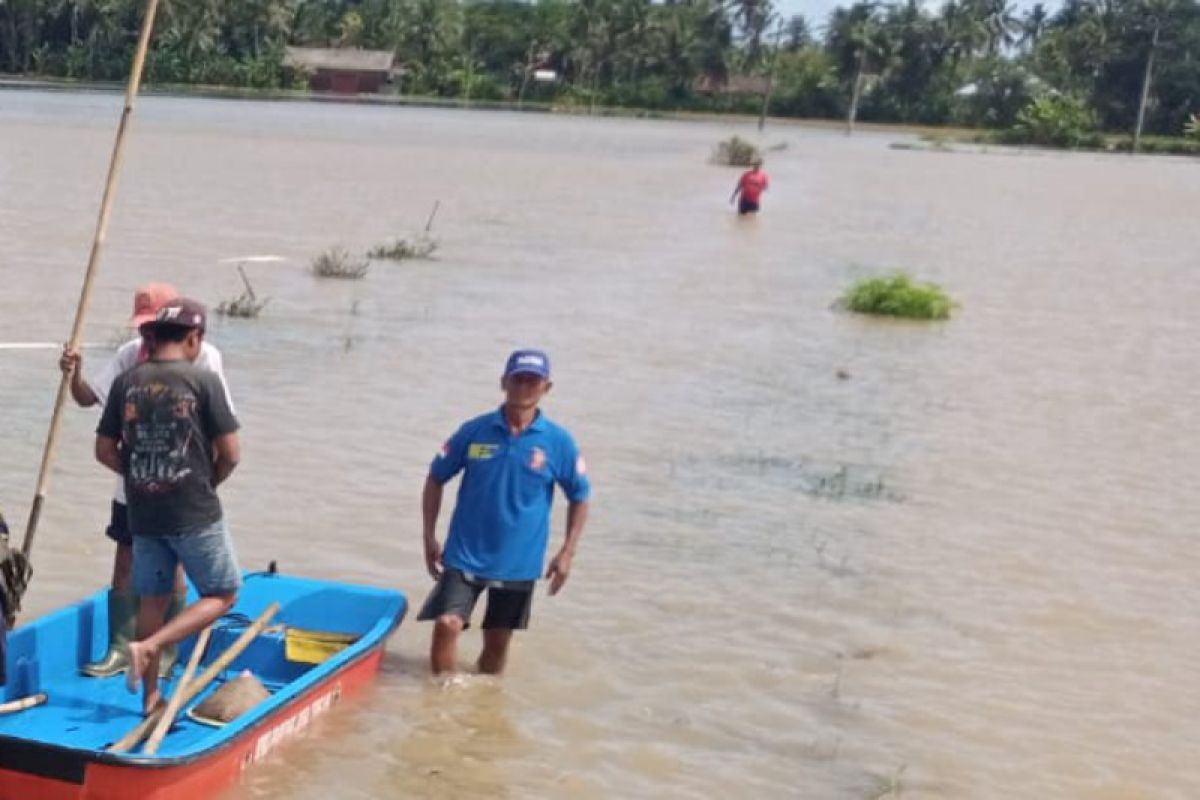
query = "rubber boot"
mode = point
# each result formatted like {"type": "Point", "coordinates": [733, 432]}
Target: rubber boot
{"type": "Point", "coordinates": [170, 653]}
{"type": "Point", "coordinates": [122, 626]}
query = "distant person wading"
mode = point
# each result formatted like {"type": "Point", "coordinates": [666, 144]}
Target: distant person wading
{"type": "Point", "coordinates": [749, 189]}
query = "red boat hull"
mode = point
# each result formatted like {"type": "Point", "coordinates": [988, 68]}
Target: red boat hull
{"type": "Point", "coordinates": [45, 778]}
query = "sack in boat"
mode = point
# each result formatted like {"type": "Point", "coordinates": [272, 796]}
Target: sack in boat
{"type": "Point", "coordinates": [230, 701]}
{"type": "Point", "coordinates": [15, 572]}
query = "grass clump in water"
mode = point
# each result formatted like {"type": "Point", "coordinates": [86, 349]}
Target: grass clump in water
{"type": "Point", "coordinates": [400, 249]}
{"type": "Point", "coordinates": [246, 305]}
{"type": "Point", "coordinates": [736, 152]}
{"type": "Point", "coordinates": [898, 296]}
{"type": "Point", "coordinates": [336, 262]}
{"type": "Point", "coordinates": [242, 307]}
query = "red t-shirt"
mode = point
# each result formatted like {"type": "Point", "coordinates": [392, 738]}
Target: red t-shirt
{"type": "Point", "coordinates": [753, 184]}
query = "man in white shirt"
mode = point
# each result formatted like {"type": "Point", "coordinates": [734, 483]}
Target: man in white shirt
{"type": "Point", "coordinates": [122, 600]}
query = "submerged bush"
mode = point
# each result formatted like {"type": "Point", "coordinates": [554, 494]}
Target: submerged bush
{"type": "Point", "coordinates": [400, 249]}
{"type": "Point", "coordinates": [735, 152]}
{"type": "Point", "coordinates": [243, 307]}
{"type": "Point", "coordinates": [897, 296]}
{"type": "Point", "coordinates": [336, 262]}
{"type": "Point", "coordinates": [1055, 121]}
{"type": "Point", "coordinates": [246, 305]}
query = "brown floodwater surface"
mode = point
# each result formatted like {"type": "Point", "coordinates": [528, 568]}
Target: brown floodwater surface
{"type": "Point", "coordinates": [829, 556]}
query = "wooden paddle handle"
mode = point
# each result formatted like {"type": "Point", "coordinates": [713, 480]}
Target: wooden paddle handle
{"type": "Point", "coordinates": [106, 204]}
{"type": "Point", "coordinates": [131, 739]}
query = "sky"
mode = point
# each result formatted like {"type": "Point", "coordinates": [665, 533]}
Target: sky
{"type": "Point", "coordinates": [817, 11]}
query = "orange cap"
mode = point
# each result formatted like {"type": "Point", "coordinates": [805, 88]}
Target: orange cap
{"type": "Point", "coordinates": [148, 299]}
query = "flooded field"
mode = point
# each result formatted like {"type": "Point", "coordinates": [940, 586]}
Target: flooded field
{"type": "Point", "coordinates": [829, 557]}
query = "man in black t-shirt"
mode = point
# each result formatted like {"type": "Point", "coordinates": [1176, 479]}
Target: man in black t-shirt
{"type": "Point", "coordinates": [168, 430]}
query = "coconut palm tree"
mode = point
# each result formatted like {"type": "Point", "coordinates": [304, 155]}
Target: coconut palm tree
{"type": "Point", "coordinates": [1033, 25]}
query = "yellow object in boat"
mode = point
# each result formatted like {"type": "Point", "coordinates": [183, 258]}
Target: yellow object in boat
{"type": "Point", "coordinates": [313, 647]}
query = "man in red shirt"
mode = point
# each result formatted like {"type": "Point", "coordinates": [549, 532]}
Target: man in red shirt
{"type": "Point", "coordinates": [750, 186]}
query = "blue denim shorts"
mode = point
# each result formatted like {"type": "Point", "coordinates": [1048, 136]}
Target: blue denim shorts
{"type": "Point", "coordinates": [207, 557]}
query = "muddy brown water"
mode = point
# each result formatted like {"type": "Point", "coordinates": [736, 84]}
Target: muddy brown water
{"type": "Point", "coordinates": [963, 568]}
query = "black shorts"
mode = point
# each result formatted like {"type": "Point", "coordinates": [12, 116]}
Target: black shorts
{"type": "Point", "coordinates": [508, 606]}
{"type": "Point", "coordinates": [118, 524]}
{"type": "Point", "coordinates": [747, 206]}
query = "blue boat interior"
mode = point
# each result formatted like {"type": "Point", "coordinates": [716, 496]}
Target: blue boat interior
{"type": "Point", "coordinates": [88, 714]}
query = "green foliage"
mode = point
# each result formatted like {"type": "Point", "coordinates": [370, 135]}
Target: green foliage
{"type": "Point", "coordinates": [1191, 129]}
{"type": "Point", "coordinates": [972, 62]}
{"type": "Point", "coordinates": [1057, 121]}
{"type": "Point", "coordinates": [736, 152]}
{"type": "Point", "coordinates": [997, 90]}
{"type": "Point", "coordinates": [897, 296]}
{"type": "Point", "coordinates": [1161, 145]}
{"type": "Point", "coordinates": [337, 262]}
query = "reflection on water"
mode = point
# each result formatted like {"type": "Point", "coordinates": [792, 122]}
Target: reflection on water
{"type": "Point", "coordinates": [829, 557]}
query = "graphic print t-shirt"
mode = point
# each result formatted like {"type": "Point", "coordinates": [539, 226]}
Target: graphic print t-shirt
{"type": "Point", "coordinates": [166, 415]}
{"type": "Point", "coordinates": [128, 356]}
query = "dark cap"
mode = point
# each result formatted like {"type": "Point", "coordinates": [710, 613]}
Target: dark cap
{"type": "Point", "coordinates": [182, 312]}
{"type": "Point", "coordinates": [529, 362]}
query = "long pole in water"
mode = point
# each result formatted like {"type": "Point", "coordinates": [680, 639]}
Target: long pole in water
{"type": "Point", "coordinates": [110, 187]}
{"type": "Point", "coordinates": [432, 214]}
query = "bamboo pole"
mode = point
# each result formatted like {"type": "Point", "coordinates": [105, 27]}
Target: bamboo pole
{"type": "Point", "coordinates": [168, 715]}
{"type": "Point", "coordinates": [12, 706]}
{"type": "Point", "coordinates": [432, 214]}
{"type": "Point", "coordinates": [139, 731]}
{"type": "Point", "coordinates": [106, 204]}
{"type": "Point", "coordinates": [246, 281]}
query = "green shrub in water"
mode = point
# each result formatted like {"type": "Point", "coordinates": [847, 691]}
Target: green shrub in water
{"type": "Point", "coordinates": [897, 296]}
{"type": "Point", "coordinates": [736, 152]}
{"type": "Point", "coordinates": [1055, 121]}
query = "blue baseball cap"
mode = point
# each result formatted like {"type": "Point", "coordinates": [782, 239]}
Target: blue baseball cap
{"type": "Point", "coordinates": [528, 362]}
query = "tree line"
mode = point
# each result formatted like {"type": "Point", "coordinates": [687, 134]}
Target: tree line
{"type": "Point", "coordinates": [969, 62]}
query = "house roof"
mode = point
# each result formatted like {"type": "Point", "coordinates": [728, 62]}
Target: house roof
{"type": "Point", "coordinates": [734, 84]}
{"type": "Point", "coordinates": [314, 58]}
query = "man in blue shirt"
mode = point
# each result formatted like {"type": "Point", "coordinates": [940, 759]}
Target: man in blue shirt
{"type": "Point", "coordinates": [510, 459]}
{"type": "Point", "coordinates": [3, 604]}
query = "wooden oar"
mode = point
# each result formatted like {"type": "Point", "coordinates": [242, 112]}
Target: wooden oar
{"type": "Point", "coordinates": [106, 204]}
{"type": "Point", "coordinates": [12, 706]}
{"type": "Point", "coordinates": [43, 345]}
{"type": "Point", "coordinates": [131, 739]}
{"type": "Point", "coordinates": [168, 715]}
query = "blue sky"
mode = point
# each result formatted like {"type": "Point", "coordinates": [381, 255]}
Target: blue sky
{"type": "Point", "coordinates": [817, 11]}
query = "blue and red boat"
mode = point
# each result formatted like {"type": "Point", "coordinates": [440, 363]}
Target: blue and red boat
{"type": "Point", "coordinates": [59, 749]}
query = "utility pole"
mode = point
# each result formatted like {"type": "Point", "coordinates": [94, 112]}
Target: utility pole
{"type": "Point", "coordinates": [770, 87]}
{"type": "Point", "coordinates": [525, 75]}
{"type": "Point", "coordinates": [856, 93]}
{"type": "Point", "coordinates": [1141, 115]}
